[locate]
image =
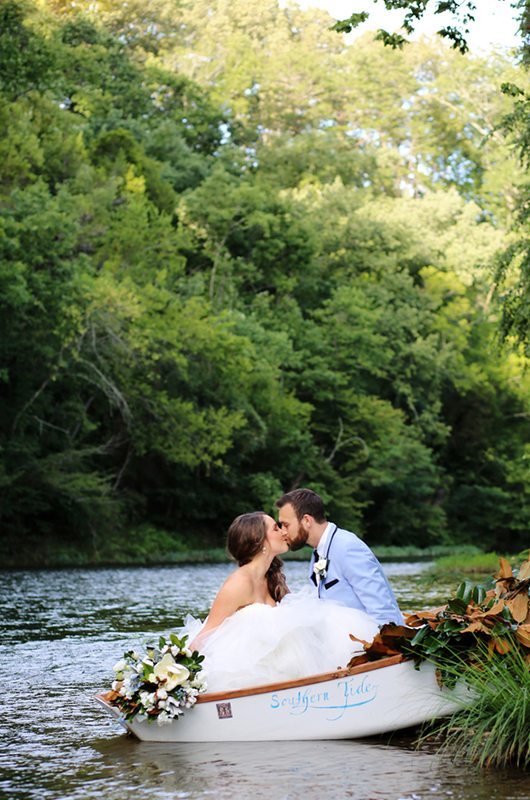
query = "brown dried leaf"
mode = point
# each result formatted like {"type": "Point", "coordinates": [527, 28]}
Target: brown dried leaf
{"type": "Point", "coordinates": [502, 646]}
{"type": "Point", "coordinates": [505, 571]}
{"type": "Point", "coordinates": [496, 608]}
{"type": "Point", "coordinates": [522, 634]}
{"type": "Point", "coordinates": [355, 661]}
{"type": "Point", "coordinates": [524, 571]}
{"type": "Point", "coordinates": [391, 631]}
{"type": "Point", "coordinates": [361, 641]}
{"type": "Point", "coordinates": [475, 626]}
{"type": "Point", "coordinates": [504, 586]}
{"type": "Point", "coordinates": [385, 643]}
{"type": "Point", "coordinates": [414, 621]}
{"type": "Point", "coordinates": [420, 617]}
{"type": "Point", "coordinates": [518, 606]}
{"type": "Point", "coordinates": [489, 622]}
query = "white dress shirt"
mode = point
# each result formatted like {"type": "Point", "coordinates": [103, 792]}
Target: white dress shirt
{"type": "Point", "coordinates": [323, 546]}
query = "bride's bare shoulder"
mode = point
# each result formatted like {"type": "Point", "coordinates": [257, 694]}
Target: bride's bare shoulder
{"type": "Point", "coordinates": [238, 582]}
{"type": "Point", "coordinates": [235, 592]}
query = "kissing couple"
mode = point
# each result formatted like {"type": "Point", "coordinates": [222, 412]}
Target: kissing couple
{"type": "Point", "coordinates": [258, 632]}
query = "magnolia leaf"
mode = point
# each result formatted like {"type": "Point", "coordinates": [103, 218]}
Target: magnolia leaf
{"type": "Point", "coordinates": [524, 571]}
{"type": "Point", "coordinates": [388, 641]}
{"type": "Point", "coordinates": [505, 570]}
{"type": "Point", "coordinates": [361, 641]}
{"type": "Point", "coordinates": [415, 620]}
{"type": "Point", "coordinates": [523, 636]}
{"type": "Point", "coordinates": [497, 608]}
{"type": "Point", "coordinates": [504, 586]}
{"type": "Point", "coordinates": [502, 646]}
{"type": "Point", "coordinates": [419, 617]}
{"type": "Point", "coordinates": [473, 627]}
{"type": "Point", "coordinates": [392, 631]}
{"type": "Point", "coordinates": [457, 606]}
{"type": "Point", "coordinates": [518, 606]}
{"type": "Point", "coordinates": [356, 661]}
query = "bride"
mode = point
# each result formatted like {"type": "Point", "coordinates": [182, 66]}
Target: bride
{"type": "Point", "coordinates": [257, 631]}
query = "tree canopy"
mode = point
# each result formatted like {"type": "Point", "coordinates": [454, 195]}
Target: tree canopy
{"type": "Point", "coordinates": [238, 256]}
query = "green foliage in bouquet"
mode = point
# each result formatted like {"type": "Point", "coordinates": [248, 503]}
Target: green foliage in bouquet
{"type": "Point", "coordinates": [160, 684]}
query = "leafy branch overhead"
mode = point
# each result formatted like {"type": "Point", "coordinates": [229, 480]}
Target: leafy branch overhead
{"type": "Point", "coordinates": [463, 15]}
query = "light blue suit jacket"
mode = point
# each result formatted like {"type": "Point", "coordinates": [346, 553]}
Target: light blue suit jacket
{"type": "Point", "coordinates": [354, 578]}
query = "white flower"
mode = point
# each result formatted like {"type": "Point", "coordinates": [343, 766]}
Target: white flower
{"type": "Point", "coordinates": [161, 694]}
{"type": "Point", "coordinates": [147, 661]}
{"type": "Point", "coordinates": [120, 665]}
{"type": "Point", "coordinates": [320, 567]}
{"type": "Point", "coordinates": [162, 718]}
{"type": "Point", "coordinates": [175, 650]}
{"type": "Point", "coordinates": [168, 672]}
{"type": "Point", "coordinates": [187, 652]}
{"type": "Point", "coordinates": [147, 700]}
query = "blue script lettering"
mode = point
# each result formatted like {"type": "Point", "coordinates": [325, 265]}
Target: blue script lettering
{"type": "Point", "coordinates": [300, 701]}
{"type": "Point", "coordinates": [348, 693]}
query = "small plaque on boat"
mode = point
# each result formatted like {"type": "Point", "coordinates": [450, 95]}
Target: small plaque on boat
{"type": "Point", "coordinates": [224, 710]}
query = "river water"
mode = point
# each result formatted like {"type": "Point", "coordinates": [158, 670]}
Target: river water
{"type": "Point", "coordinates": [60, 634]}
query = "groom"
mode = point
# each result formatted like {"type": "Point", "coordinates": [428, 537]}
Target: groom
{"type": "Point", "coordinates": [343, 568]}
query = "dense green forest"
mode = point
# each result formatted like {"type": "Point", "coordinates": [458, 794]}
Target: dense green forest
{"type": "Point", "coordinates": [238, 255]}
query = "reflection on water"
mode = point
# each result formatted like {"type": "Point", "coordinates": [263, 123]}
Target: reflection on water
{"type": "Point", "coordinates": [61, 632]}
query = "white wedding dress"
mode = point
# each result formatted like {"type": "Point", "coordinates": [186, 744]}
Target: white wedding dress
{"type": "Point", "coordinates": [298, 637]}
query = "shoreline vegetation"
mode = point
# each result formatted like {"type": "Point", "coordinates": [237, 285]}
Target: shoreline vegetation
{"type": "Point", "coordinates": [479, 639]}
{"type": "Point", "coordinates": [147, 546]}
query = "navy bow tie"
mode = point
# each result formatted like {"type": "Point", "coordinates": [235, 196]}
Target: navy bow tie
{"type": "Point", "coordinates": [315, 555]}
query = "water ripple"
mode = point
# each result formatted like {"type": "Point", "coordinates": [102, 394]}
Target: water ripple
{"type": "Point", "coordinates": [62, 631]}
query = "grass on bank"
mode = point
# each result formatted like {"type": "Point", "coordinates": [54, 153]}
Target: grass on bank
{"type": "Point", "coordinates": [472, 563]}
{"type": "Point", "coordinates": [475, 564]}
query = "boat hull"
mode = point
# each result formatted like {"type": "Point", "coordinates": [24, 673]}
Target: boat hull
{"type": "Point", "coordinates": [365, 701]}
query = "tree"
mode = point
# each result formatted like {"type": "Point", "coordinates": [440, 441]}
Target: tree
{"type": "Point", "coordinates": [455, 31]}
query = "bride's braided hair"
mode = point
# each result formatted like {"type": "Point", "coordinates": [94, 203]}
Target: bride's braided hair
{"type": "Point", "coordinates": [246, 536]}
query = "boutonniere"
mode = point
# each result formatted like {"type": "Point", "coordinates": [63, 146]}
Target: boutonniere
{"type": "Point", "coordinates": [320, 568]}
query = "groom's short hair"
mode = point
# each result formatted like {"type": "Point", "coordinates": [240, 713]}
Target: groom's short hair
{"type": "Point", "coordinates": [304, 501]}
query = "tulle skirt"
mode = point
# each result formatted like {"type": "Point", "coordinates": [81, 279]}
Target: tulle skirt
{"type": "Point", "coordinates": [260, 644]}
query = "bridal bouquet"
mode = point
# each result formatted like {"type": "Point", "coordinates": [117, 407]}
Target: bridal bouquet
{"type": "Point", "coordinates": [160, 684]}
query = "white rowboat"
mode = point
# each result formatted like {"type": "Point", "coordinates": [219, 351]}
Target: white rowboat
{"type": "Point", "coordinates": [366, 700]}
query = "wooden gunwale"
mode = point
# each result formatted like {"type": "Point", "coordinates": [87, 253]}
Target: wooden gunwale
{"type": "Point", "coordinates": [211, 697]}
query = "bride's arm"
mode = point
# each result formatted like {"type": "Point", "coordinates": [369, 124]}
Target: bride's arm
{"type": "Point", "coordinates": [234, 594]}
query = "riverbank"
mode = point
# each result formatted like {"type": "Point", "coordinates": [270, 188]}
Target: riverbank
{"type": "Point", "coordinates": [148, 546]}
